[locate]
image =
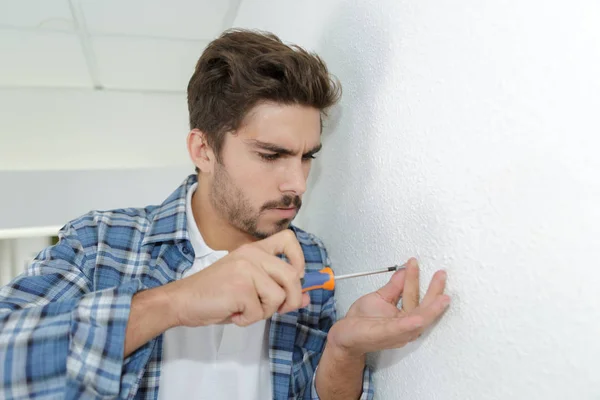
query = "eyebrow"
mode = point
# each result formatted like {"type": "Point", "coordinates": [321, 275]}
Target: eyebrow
{"type": "Point", "coordinates": [282, 150]}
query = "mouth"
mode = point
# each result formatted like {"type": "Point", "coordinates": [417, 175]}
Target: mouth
{"type": "Point", "coordinates": [285, 212]}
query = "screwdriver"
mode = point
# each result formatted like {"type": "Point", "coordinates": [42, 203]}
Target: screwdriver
{"type": "Point", "coordinates": [324, 279]}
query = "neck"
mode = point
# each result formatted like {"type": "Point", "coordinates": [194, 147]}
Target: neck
{"type": "Point", "coordinates": [217, 233]}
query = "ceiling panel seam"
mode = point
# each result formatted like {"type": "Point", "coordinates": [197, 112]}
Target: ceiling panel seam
{"type": "Point", "coordinates": [80, 89]}
{"type": "Point", "coordinates": [86, 43]}
{"type": "Point", "coordinates": [231, 14]}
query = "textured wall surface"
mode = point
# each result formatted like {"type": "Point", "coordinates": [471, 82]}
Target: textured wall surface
{"type": "Point", "coordinates": [467, 137]}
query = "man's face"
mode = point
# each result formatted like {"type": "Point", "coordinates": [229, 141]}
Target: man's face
{"type": "Point", "coordinates": [258, 185]}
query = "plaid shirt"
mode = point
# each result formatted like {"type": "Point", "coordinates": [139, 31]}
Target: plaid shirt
{"type": "Point", "coordinates": [62, 322]}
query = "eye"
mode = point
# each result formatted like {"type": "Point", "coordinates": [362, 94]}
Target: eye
{"type": "Point", "coordinates": [269, 157]}
{"type": "Point", "coordinates": [309, 157]}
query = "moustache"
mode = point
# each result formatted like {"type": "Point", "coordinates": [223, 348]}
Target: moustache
{"type": "Point", "coordinates": [285, 202]}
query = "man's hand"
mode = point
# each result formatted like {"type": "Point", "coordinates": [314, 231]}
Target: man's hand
{"type": "Point", "coordinates": [246, 286]}
{"type": "Point", "coordinates": [374, 322]}
{"type": "Point", "coordinates": [249, 284]}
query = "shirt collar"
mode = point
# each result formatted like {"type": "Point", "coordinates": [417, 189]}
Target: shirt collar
{"type": "Point", "coordinates": [201, 249]}
{"type": "Point", "coordinates": [168, 223]}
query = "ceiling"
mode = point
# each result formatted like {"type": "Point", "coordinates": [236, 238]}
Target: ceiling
{"type": "Point", "coordinates": [139, 45]}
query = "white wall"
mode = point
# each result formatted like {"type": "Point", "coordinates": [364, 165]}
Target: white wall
{"type": "Point", "coordinates": [64, 152]}
{"type": "Point", "coordinates": [49, 198]}
{"type": "Point", "coordinates": [467, 137]}
{"type": "Point", "coordinates": [66, 129]}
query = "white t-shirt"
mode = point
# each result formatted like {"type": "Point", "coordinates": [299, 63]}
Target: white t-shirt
{"type": "Point", "coordinates": [217, 361]}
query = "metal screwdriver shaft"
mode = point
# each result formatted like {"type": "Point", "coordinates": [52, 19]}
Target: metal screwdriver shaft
{"type": "Point", "coordinates": [379, 271]}
{"type": "Point", "coordinates": [324, 279]}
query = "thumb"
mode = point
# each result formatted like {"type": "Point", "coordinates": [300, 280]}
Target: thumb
{"type": "Point", "coordinates": [392, 291]}
{"type": "Point", "coordinates": [286, 243]}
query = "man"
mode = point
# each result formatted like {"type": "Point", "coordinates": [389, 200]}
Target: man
{"type": "Point", "coordinates": [200, 297]}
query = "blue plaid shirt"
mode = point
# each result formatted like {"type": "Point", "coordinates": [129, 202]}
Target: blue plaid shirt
{"type": "Point", "coordinates": [62, 322]}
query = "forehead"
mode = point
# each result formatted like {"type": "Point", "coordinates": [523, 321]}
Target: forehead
{"type": "Point", "coordinates": [291, 126]}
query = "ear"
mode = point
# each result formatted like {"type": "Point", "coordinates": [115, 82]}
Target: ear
{"type": "Point", "coordinates": [200, 152]}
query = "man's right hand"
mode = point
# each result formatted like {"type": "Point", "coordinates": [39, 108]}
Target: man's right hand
{"type": "Point", "coordinates": [248, 285]}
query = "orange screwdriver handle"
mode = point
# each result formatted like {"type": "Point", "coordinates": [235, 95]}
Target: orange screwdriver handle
{"type": "Point", "coordinates": [322, 279]}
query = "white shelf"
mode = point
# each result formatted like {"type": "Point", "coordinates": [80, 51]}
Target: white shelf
{"type": "Point", "coordinates": [18, 233]}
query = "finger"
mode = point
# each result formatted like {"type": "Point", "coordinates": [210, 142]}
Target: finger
{"type": "Point", "coordinates": [284, 242]}
{"type": "Point", "coordinates": [287, 278]}
{"type": "Point", "coordinates": [250, 308]}
{"type": "Point", "coordinates": [305, 299]}
{"type": "Point", "coordinates": [392, 291]}
{"type": "Point", "coordinates": [272, 296]}
{"type": "Point", "coordinates": [436, 287]}
{"type": "Point", "coordinates": [410, 297]}
{"type": "Point", "coordinates": [284, 274]}
{"type": "Point", "coordinates": [433, 311]}
{"type": "Point", "coordinates": [411, 327]}
{"type": "Point", "coordinates": [396, 332]}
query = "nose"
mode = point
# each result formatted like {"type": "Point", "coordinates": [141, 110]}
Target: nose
{"type": "Point", "coordinates": [294, 180]}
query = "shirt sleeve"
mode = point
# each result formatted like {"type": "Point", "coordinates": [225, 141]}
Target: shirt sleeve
{"type": "Point", "coordinates": [327, 319]}
{"type": "Point", "coordinates": [58, 338]}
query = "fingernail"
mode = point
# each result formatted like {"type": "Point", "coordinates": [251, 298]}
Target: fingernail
{"type": "Point", "coordinates": [446, 302]}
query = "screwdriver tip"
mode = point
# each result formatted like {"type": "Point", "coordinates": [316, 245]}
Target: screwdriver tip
{"type": "Point", "coordinates": [395, 268]}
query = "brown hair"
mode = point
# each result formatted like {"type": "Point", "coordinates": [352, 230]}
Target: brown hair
{"type": "Point", "coordinates": [242, 68]}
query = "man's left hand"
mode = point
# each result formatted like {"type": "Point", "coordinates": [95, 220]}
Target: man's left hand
{"type": "Point", "coordinates": [374, 322]}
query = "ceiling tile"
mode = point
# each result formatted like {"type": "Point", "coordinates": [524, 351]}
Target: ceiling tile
{"type": "Point", "coordinates": [50, 14]}
{"type": "Point", "coordinates": [42, 59]}
{"type": "Point", "coordinates": [148, 64]}
{"type": "Point", "coordinates": [189, 19]}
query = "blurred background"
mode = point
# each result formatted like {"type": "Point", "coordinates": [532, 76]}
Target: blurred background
{"type": "Point", "coordinates": [467, 136]}
{"type": "Point", "coordinates": [93, 111]}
